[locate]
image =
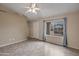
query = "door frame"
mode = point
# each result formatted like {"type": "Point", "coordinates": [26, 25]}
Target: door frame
{"type": "Point", "coordinates": [65, 30]}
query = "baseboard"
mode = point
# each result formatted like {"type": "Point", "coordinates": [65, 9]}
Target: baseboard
{"type": "Point", "coordinates": [32, 38]}
{"type": "Point", "coordinates": [51, 43]}
{"type": "Point", "coordinates": [73, 48]}
{"type": "Point", "coordinates": [12, 43]}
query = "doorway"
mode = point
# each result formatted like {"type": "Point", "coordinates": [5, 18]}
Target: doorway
{"type": "Point", "coordinates": [55, 31]}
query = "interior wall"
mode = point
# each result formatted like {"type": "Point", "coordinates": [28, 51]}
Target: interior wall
{"type": "Point", "coordinates": [52, 38]}
{"type": "Point", "coordinates": [72, 28]}
{"type": "Point", "coordinates": [13, 27]}
{"type": "Point", "coordinates": [36, 29]}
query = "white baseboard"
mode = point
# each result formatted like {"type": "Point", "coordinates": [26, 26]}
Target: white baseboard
{"type": "Point", "coordinates": [12, 43]}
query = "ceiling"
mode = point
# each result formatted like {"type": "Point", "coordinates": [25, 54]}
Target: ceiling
{"type": "Point", "coordinates": [46, 9]}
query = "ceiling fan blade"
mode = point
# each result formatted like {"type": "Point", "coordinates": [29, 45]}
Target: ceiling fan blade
{"type": "Point", "coordinates": [33, 5]}
{"type": "Point", "coordinates": [34, 11]}
{"type": "Point", "coordinates": [37, 9]}
{"type": "Point", "coordinates": [27, 7]}
{"type": "Point", "coordinates": [28, 11]}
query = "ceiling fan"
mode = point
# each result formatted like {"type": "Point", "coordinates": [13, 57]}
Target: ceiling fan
{"type": "Point", "coordinates": [33, 8]}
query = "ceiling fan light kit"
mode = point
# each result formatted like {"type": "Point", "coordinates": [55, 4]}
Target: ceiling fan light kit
{"type": "Point", "coordinates": [33, 8]}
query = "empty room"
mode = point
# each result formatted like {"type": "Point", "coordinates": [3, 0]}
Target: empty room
{"type": "Point", "coordinates": [39, 29]}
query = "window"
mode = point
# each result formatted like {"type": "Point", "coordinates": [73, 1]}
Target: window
{"type": "Point", "coordinates": [48, 28]}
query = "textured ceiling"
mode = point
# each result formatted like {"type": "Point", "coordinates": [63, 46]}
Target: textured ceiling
{"type": "Point", "coordinates": [46, 9]}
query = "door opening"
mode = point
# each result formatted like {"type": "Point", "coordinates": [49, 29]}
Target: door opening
{"type": "Point", "coordinates": [55, 31]}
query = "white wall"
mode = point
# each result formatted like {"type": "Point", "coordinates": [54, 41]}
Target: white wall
{"type": "Point", "coordinates": [13, 27]}
{"type": "Point", "coordinates": [72, 28]}
{"type": "Point", "coordinates": [36, 29]}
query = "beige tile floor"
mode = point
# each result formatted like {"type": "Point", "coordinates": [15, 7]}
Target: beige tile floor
{"type": "Point", "coordinates": [36, 48]}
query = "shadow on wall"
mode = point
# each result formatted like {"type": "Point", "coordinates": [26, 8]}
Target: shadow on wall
{"type": "Point", "coordinates": [13, 27]}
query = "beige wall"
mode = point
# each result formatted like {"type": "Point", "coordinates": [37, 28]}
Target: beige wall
{"type": "Point", "coordinates": [72, 28]}
{"type": "Point", "coordinates": [13, 27]}
{"type": "Point", "coordinates": [36, 29]}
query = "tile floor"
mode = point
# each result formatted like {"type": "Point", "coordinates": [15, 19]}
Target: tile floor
{"type": "Point", "coordinates": [36, 48]}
